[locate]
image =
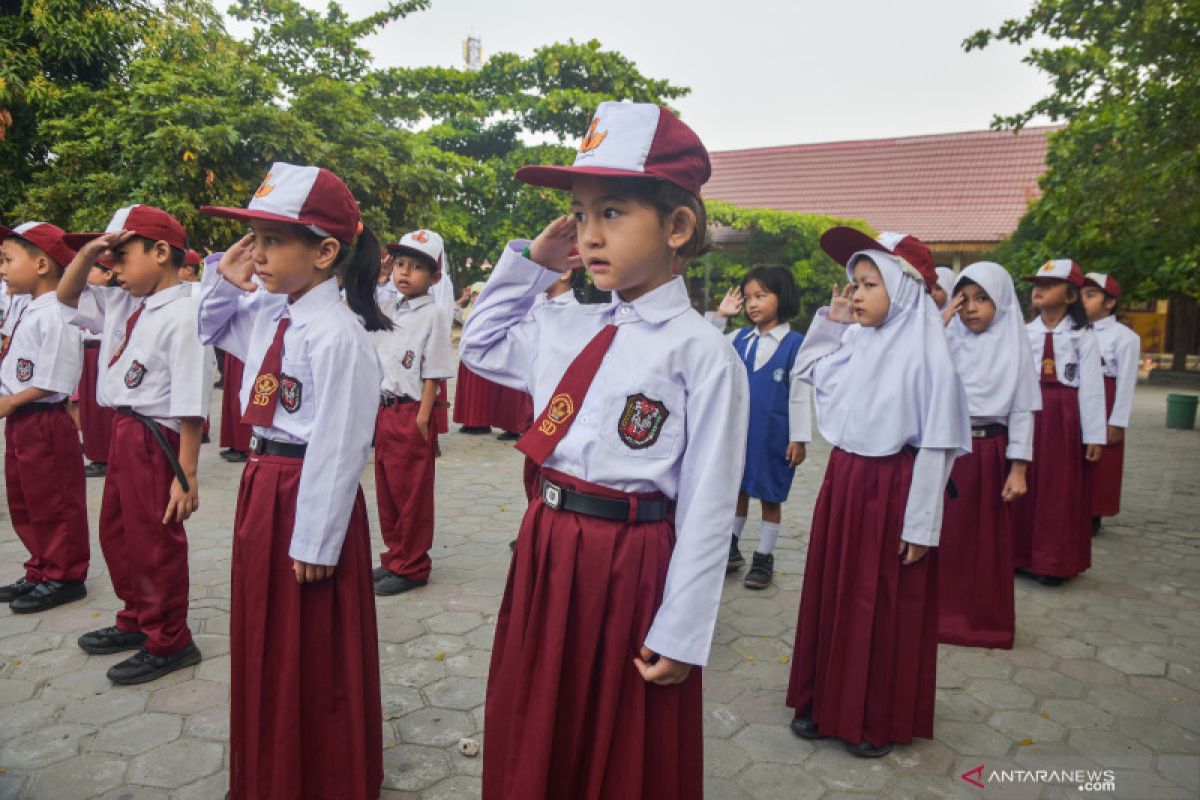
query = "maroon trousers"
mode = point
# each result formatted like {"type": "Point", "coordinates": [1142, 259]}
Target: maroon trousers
{"type": "Point", "coordinates": [567, 714]}
{"type": "Point", "coordinates": [147, 560]}
{"type": "Point", "coordinates": [473, 399]}
{"type": "Point", "coordinates": [1052, 531]}
{"type": "Point", "coordinates": [1106, 473]}
{"type": "Point", "coordinates": [95, 420]}
{"type": "Point", "coordinates": [865, 659]}
{"type": "Point", "coordinates": [47, 499]}
{"type": "Point", "coordinates": [234, 434]}
{"type": "Point", "coordinates": [404, 472]}
{"type": "Point", "coordinates": [305, 715]}
{"type": "Point", "coordinates": [975, 571]}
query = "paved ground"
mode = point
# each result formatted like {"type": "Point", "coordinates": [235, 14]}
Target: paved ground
{"type": "Point", "coordinates": [1105, 675]}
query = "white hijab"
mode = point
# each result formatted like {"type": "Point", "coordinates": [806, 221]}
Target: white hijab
{"type": "Point", "coordinates": [996, 366]}
{"type": "Point", "coordinates": [894, 385]}
{"type": "Point", "coordinates": [945, 279]}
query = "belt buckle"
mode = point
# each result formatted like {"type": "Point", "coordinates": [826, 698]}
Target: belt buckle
{"type": "Point", "coordinates": [979, 433]}
{"type": "Point", "coordinates": [551, 495]}
{"type": "Point", "coordinates": [254, 443]}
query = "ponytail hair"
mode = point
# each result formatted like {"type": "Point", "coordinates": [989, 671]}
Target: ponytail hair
{"type": "Point", "coordinates": [359, 267]}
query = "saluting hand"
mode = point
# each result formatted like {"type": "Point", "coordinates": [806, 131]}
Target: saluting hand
{"type": "Point", "coordinates": [731, 304]}
{"type": "Point", "coordinates": [953, 307]}
{"type": "Point", "coordinates": [554, 248]}
{"type": "Point", "coordinates": [237, 265]}
{"type": "Point", "coordinates": [840, 308]}
{"type": "Point", "coordinates": [103, 246]}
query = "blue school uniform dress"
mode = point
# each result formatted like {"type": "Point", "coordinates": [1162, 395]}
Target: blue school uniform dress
{"type": "Point", "coordinates": [767, 475]}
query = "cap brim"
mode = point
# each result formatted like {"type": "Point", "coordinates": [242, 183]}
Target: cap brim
{"type": "Point", "coordinates": [247, 214]}
{"type": "Point", "coordinates": [560, 177]}
{"type": "Point", "coordinates": [841, 243]}
{"type": "Point", "coordinates": [76, 241]}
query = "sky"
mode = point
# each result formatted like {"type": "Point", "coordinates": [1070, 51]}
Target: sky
{"type": "Point", "coordinates": [761, 72]}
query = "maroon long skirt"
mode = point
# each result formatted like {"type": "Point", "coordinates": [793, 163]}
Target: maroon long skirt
{"type": "Point", "coordinates": [568, 715]}
{"type": "Point", "coordinates": [865, 659]}
{"type": "Point", "coordinates": [305, 715]}
{"type": "Point", "coordinates": [512, 410]}
{"type": "Point", "coordinates": [1052, 527]}
{"type": "Point", "coordinates": [95, 420]}
{"type": "Point", "coordinates": [473, 399]}
{"type": "Point", "coordinates": [234, 434]}
{"type": "Point", "coordinates": [1106, 473]}
{"type": "Point", "coordinates": [975, 572]}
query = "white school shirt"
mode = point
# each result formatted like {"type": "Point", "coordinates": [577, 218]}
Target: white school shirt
{"type": "Point", "coordinates": [1120, 352]}
{"type": "Point", "coordinates": [1077, 362]}
{"type": "Point", "coordinates": [15, 303]}
{"type": "Point", "coordinates": [45, 352]}
{"type": "Point", "coordinates": [328, 397]}
{"type": "Point", "coordinates": [799, 392]}
{"type": "Point", "coordinates": [416, 349]}
{"type": "Point", "coordinates": [924, 508]}
{"type": "Point", "coordinates": [664, 356]}
{"type": "Point", "coordinates": [163, 372]}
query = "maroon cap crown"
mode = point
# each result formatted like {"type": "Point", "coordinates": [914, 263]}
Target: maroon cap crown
{"type": "Point", "coordinates": [310, 196]}
{"type": "Point", "coordinates": [50, 239]}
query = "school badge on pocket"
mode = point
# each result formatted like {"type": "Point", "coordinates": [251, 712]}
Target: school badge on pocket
{"type": "Point", "coordinates": [407, 361]}
{"type": "Point", "coordinates": [24, 370]}
{"type": "Point", "coordinates": [1070, 371]}
{"type": "Point", "coordinates": [642, 421]}
{"type": "Point", "coordinates": [291, 393]}
{"type": "Point", "coordinates": [135, 375]}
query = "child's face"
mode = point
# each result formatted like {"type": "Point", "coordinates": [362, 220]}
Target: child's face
{"type": "Point", "coordinates": [870, 301]}
{"type": "Point", "coordinates": [762, 306]}
{"type": "Point", "coordinates": [1097, 303]}
{"type": "Point", "coordinates": [978, 311]}
{"type": "Point", "coordinates": [288, 263]}
{"type": "Point", "coordinates": [19, 269]}
{"type": "Point", "coordinates": [625, 244]}
{"type": "Point", "coordinates": [139, 270]}
{"type": "Point", "coordinates": [412, 276]}
{"type": "Point", "coordinates": [939, 296]}
{"type": "Point", "coordinates": [1050, 294]}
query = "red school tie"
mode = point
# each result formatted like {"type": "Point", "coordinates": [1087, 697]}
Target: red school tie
{"type": "Point", "coordinates": [129, 323]}
{"type": "Point", "coordinates": [264, 395]}
{"type": "Point", "coordinates": [1049, 372]}
{"type": "Point", "coordinates": [555, 420]}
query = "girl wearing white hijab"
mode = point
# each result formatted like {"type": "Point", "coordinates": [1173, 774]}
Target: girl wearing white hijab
{"type": "Point", "coordinates": [890, 403]}
{"type": "Point", "coordinates": [992, 355]}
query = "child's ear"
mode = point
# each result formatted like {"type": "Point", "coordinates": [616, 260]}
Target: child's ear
{"type": "Point", "coordinates": [327, 252]}
{"type": "Point", "coordinates": [680, 227]}
{"type": "Point", "coordinates": [43, 266]}
{"type": "Point", "coordinates": [437, 276]}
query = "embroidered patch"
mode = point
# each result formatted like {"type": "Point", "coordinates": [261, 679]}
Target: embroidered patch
{"type": "Point", "coordinates": [778, 375]}
{"type": "Point", "coordinates": [291, 393]}
{"type": "Point", "coordinates": [264, 387]}
{"type": "Point", "coordinates": [1047, 366]}
{"type": "Point", "coordinates": [559, 410]}
{"type": "Point", "coordinates": [135, 375]}
{"type": "Point", "coordinates": [407, 361]}
{"type": "Point", "coordinates": [1070, 371]}
{"type": "Point", "coordinates": [642, 421]}
{"type": "Point", "coordinates": [24, 370]}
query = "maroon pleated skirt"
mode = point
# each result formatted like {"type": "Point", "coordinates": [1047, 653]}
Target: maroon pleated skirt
{"type": "Point", "coordinates": [865, 660]}
{"type": "Point", "coordinates": [234, 434]}
{"type": "Point", "coordinates": [975, 572]}
{"type": "Point", "coordinates": [1106, 473]}
{"type": "Point", "coordinates": [512, 410]}
{"type": "Point", "coordinates": [95, 420]}
{"type": "Point", "coordinates": [305, 714]}
{"type": "Point", "coordinates": [473, 399]}
{"type": "Point", "coordinates": [1052, 526]}
{"type": "Point", "coordinates": [568, 715]}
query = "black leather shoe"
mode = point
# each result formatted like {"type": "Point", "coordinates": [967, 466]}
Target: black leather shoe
{"type": "Point", "coordinates": [143, 667]}
{"type": "Point", "coordinates": [14, 590]}
{"type": "Point", "coordinates": [96, 469]}
{"type": "Point", "coordinates": [762, 569]}
{"type": "Point", "coordinates": [865, 749]}
{"type": "Point", "coordinates": [47, 595]}
{"type": "Point", "coordinates": [391, 583]}
{"type": "Point", "coordinates": [508, 436]}
{"type": "Point", "coordinates": [474, 431]}
{"type": "Point", "coordinates": [1096, 522]}
{"type": "Point", "coordinates": [111, 640]}
{"type": "Point", "coordinates": [234, 456]}
{"type": "Point", "coordinates": [1049, 580]}
{"type": "Point", "coordinates": [805, 728]}
{"type": "Point", "coordinates": [736, 560]}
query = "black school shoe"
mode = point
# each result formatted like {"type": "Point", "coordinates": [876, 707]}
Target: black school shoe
{"type": "Point", "coordinates": [736, 561]}
{"type": "Point", "coordinates": [1096, 524]}
{"type": "Point", "coordinates": [143, 666]}
{"type": "Point", "coordinates": [234, 456]}
{"type": "Point", "coordinates": [390, 583]}
{"type": "Point", "coordinates": [16, 589]}
{"type": "Point", "coordinates": [110, 640]}
{"type": "Point", "coordinates": [865, 749]}
{"type": "Point", "coordinates": [762, 569]}
{"type": "Point", "coordinates": [508, 436]}
{"type": "Point", "coordinates": [806, 728]}
{"type": "Point", "coordinates": [474, 431]}
{"type": "Point", "coordinates": [96, 469]}
{"type": "Point", "coordinates": [47, 595]}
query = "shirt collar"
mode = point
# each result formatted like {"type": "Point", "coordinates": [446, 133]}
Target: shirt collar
{"type": "Point", "coordinates": [313, 304]}
{"type": "Point", "coordinates": [47, 299]}
{"type": "Point", "coordinates": [664, 303]}
{"type": "Point", "coordinates": [1107, 322]}
{"type": "Point", "coordinates": [415, 303]}
{"type": "Point", "coordinates": [160, 299]}
{"type": "Point", "coordinates": [777, 333]}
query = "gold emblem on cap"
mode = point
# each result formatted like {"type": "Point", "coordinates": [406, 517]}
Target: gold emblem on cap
{"type": "Point", "coordinates": [592, 139]}
{"type": "Point", "coordinates": [420, 236]}
{"type": "Point", "coordinates": [266, 188]}
{"type": "Point", "coordinates": [1047, 267]}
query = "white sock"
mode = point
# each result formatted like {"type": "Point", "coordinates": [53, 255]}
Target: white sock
{"type": "Point", "coordinates": [768, 534]}
{"type": "Point", "coordinates": [738, 524]}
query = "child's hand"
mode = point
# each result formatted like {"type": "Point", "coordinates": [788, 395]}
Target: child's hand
{"type": "Point", "coordinates": [6, 406]}
{"type": "Point", "coordinates": [237, 265]}
{"type": "Point", "coordinates": [554, 248]}
{"type": "Point", "coordinates": [912, 553]}
{"type": "Point", "coordinates": [1015, 486]}
{"type": "Point", "coordinates": [1093, 452]}
{"type": "Point", "coordinates": [659, 669]}
{"type": "Point", "coordinates": [1115, 435]}
{"type": "Point", "coordinates": [97, 247]}
{"type": "Point", "coordinates": [796, 453]}
{"type": "Point", "coordinates": [840, 308]}
{"type": "Point", "coordinates": [731, 304]}
{"type": "Point", "coordinates": [310, 573]}
{"type": "Point", "coordinates": [182, 504]}
{"type": "Point", "coordinates": [952, 308]}
{"type": "Point", "coordinates": [423, 428]}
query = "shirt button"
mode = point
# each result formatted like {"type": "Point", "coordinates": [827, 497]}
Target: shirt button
{"type": "Point", "coordinates": [583, 418]}
{"type": "Point", "coordinates": [624, 309]}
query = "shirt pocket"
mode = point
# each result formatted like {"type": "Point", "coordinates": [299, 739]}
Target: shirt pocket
{"type": "Point", "coordinates": [297, 394]}
{"type": "Point", "coordinates": [646, 419]}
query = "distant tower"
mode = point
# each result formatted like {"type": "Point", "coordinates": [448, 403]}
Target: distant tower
{"type": "Point", "coordinates": [473, 52]}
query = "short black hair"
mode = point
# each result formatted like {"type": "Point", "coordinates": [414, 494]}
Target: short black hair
{"type": "Point", "coordinates": [178, 257]}
{"type": "Point", "coordinates": [779, 281]}
{"type": "Point", "coordinates": [665, 197]}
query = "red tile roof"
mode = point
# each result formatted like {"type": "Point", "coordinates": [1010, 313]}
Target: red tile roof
{"type": "Point", "coordinates": [945, 188]}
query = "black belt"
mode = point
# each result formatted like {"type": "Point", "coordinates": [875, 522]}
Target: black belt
{"type": "Point", "coordinates": [560, 498]}
{"type": "Point", "coordinates": [388, 402]}
{"type": "Point", "coordinates": [91, 344]}
{"type": "Point", "coordinates": [33, 408]}
{"type": "Point", "coordinates": [168, 451]}
{"type": "Point", "coordinates": [262, 446]}
{"type": "Point", "coordinates": [988, 431]}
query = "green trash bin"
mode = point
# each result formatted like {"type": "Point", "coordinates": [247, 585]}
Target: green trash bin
{"type": "Point", "coordinates": [1181, 411]}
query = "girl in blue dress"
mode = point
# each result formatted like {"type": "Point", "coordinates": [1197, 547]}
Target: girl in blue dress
{"type": "Point", "coordinates": [780, 420]}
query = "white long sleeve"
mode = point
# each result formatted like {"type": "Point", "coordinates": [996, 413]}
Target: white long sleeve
{"type": "Point", "coordinates": [923, 511]}
{"type": "Point", "coordinates": [1093, 414]}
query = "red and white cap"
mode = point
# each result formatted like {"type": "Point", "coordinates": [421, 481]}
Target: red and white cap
{"type": "Point", "coordinates": [632, 140]}
{"type": "Point", "coordinates": [423, 243]}
{"type": "Point", "coordinates": [145, 221]}
{"type": "Point", "coordinates": [49, 238]}
{"type": "Point", "coordinates": [842, 242]}
{"type": "Point", "coordinates": [191, 259]}
{"type": "Point", "coordinates": [1062, 269]}
{"type": "Point", "coordinates": [310, 196]}
{"type": "Point", "coordinates": [1105, 283]}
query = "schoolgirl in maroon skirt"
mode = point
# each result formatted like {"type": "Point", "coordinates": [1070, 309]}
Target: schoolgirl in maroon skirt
{"type": "Point", "coordinates": [305, 717]}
